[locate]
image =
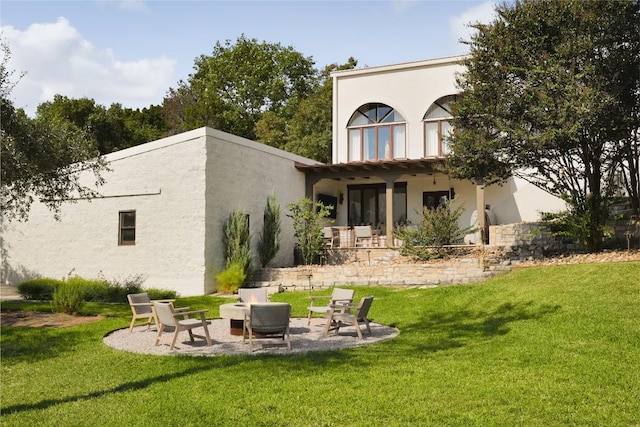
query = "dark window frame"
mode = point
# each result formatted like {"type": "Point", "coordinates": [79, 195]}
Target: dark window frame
{"type": "Point", "coordinates": [122, 228]}
{"type": "Point", "coordinates": [437, 195]}
{"type": "Point", "coordinates": [380, 196]}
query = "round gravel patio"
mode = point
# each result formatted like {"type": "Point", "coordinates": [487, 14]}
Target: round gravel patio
{"type": "Point", "coordinates": [303, 339]}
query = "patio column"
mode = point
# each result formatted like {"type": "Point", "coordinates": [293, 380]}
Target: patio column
{"type": "Point", "coordinates": [310, 181]}
{"type": "Point", "coordinates": [389, 181]}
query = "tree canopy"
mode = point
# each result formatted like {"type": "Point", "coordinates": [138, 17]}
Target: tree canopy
{"type": "Point", "coordinates": [40, 158]}
{"type": "Point", "coordinates": [550, 93]}
{"type": "Point", "coordinates": [238, 83]}
{"type": "Point", "coordinates": [111, 129]}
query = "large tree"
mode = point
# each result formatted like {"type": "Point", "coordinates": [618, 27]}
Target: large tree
{"type": "Point", "coordinates": [234, 87]}
{"type": "Point", "coordinates": [40, 159]}
{"type": "Point", "coordinates": [550, 94]}
{"type": "Point", "coordinates": [309, 132]}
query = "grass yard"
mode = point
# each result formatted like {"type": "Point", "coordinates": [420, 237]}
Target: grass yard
{"type": "Point", "coordinates": [541, 346]}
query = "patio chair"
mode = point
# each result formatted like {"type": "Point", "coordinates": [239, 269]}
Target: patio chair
{"type": "Point", "coordinates": [142, 308]}
{"type": "Point", "coordinates": [267, 320]}
{"type": "Point", "coordinates": [253, 295]}
{"type": "Point", "coordinates": [337, 318]}
{"type": "Point", "coordinates": [364, 235]}
{"type": "Point", "coordinates": [168, 316]}
{"type": "Point", "coordinates": [327, 237]}
{"type": "Point", "coordinates": [339, 296]}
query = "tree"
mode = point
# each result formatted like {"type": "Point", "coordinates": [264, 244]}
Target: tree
{"type": "Point", "coordinates": [232, 89]}
{"type": "Point", "coordinates": [111, 129]}
{"type": "Point", "coordinates": [548, 95]}
{"type": "Point", "coordinates": [309, 132]}
{"type": "Point", "coordinates": [41, 159]}
{"type": "Point", "coordinates": [269, 241]}
{"type": "Point", "coordinates": [307, 224]}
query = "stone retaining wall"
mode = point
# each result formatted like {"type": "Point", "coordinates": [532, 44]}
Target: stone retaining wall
{"type": "Point", "coordinates": [374, 273]}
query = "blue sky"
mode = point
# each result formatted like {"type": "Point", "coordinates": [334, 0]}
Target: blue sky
{"type": "Point", "coordinates": [133, 51]}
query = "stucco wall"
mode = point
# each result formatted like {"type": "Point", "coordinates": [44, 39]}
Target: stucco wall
{"type": "Point", "coordinates": [408, 88]}
{"type": "Point", "coordinates": [181, 188]}
{"type": "Point", "coordinates": [164, 182]}
{"type": "Point", "coordinates": [240, 175]}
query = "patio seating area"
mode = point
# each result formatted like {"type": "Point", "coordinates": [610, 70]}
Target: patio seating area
{"type": "Point", "coordinates": [362, 236]}
{"type": "Point", "coordinates": [304, 338]}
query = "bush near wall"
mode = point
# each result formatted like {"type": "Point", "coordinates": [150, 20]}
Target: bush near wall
{"type": "Point", "coordinates": [95, 290]}
{"type": "Point", "coordinates": [41, 288]}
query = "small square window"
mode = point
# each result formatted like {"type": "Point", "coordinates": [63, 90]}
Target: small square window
{"type": "Point", "coordinates": [127, 228]}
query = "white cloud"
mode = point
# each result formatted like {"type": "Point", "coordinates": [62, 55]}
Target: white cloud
{"type": "Point", "coordinates": [459, 24]}
{"type": "Point", "coordinates": [58, 60]}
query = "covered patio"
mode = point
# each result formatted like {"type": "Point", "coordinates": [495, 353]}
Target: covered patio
{"type": "Point", "coordinates": [371, 199]}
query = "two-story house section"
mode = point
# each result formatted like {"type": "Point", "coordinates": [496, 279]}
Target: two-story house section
{"type": "Point", "coordinates": [389, 133]}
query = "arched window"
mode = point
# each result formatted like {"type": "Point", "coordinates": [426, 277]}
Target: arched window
{"type": "Point", "coordinates": [437, 127]}
{"type": "Point", "coordinates": [376, 132]}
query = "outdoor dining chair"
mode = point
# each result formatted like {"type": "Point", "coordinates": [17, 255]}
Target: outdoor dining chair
{"type": "Point", "coordinates": [364, 235]}
{"type": "Point", "coordinates": [266, 321]}
{"type": "Point", "coordinates": [338, 318]}
{"type": "Point", "coordinates": [142, 308]}
{"type": "Point", "coordinates": [339, 296]}
{"type": "Point", "coordinates": [167, 316]}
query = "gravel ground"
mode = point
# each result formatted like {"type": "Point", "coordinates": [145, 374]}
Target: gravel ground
{"type": "Point", "coordinates": [303, 339]}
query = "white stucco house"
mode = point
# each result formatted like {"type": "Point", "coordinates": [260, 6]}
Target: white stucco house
{"type": "Point", "coordinates": [388, 128]}
{"type": "Point", "coordinates": [164, 202]}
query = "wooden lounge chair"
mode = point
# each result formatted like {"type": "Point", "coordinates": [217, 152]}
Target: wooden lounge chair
{"type": "Point", "coordinates": [167, 316]}
{"type": "Point", "coordinates": [337, 318]}
{"type": "Point", "coordinates": [267, 320]}
{"type": "Point", "coordinates": [142, 308]}
{"type": "Point", "coordinates": [339, 296]}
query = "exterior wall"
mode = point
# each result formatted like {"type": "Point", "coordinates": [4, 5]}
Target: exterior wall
{"type": "Point", "coordinates": [513, 202]}
{"type": "Point", "coordinates": [409, 88]}
{"type": "Point", "coordinates": [241, 174]}
{"type": "Point", "coordinates": [163, 181]}
{"type": "Point", "coordinates": [182, 188]}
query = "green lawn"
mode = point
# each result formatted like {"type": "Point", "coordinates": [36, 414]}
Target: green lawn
{"type": "Point", "coordinates": [544, 346]}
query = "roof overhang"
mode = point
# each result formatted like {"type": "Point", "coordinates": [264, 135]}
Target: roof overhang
{"type": "Point", "coordinates": [377, 168]}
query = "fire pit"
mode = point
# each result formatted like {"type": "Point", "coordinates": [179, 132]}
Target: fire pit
{"type": "Point", "coordinates": [235, 312]}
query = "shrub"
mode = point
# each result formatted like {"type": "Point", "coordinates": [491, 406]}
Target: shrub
{"type": "Point", "coordinates": [269, 242]}
{"type": "Point", "coordinates": [307, 218]}
{"type": "Point", "coordinates": [439, 227]}
{"type": "Point", "coordinates": [69, 297]}
{"type": "Point", "coordinates": [230, 279]}
{"type": "Point", "coordinates": [161, 293]}
{"type": "Point", "coordinates": [39, 289]}
{"type": "Point", "coordinates": [118, 289]}
{"type": "Point", "coordinates": [237, 241]}
{"type": "Point", "coordinates": [94, 289]}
